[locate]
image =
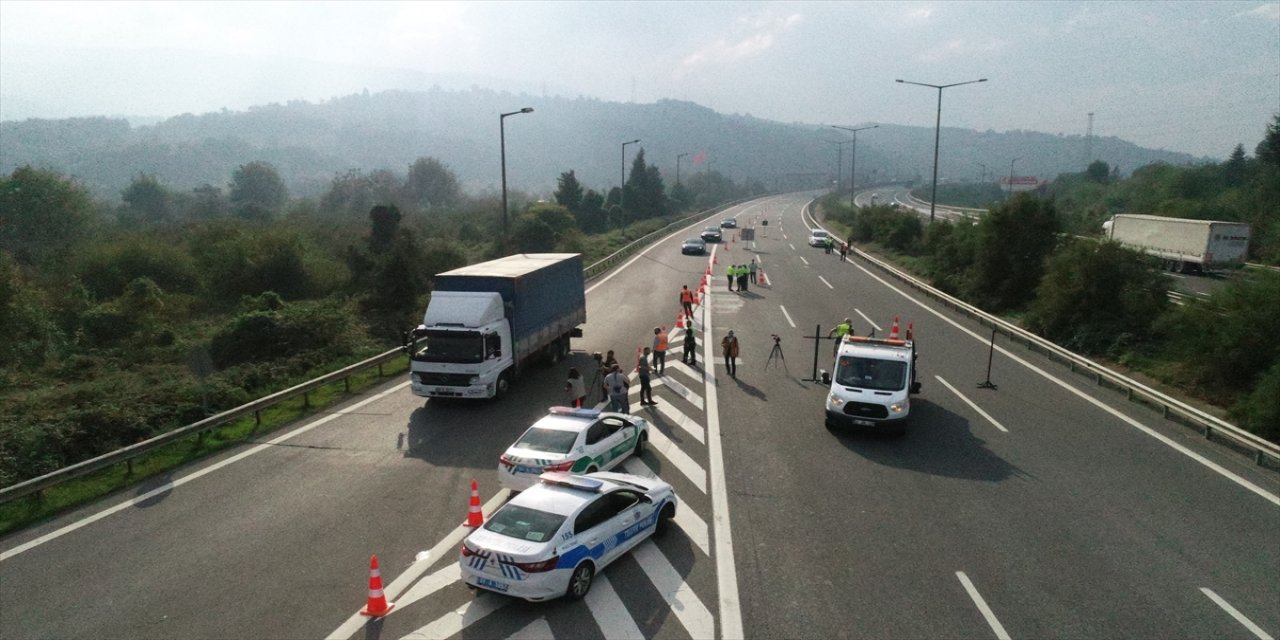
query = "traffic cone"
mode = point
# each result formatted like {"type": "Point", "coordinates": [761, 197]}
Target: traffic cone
{"type": "Point", "coordinates": [377, 605]}
{"type": "Point", "coordinates": [475, 517]}
{"type": "Point", "coordinates": [910, 329]}
{"type": "Point", "coordinates": [714, 260]}
{"type": "Point", "coordinates": [765, 279]}
{"type": "Point", "coordinates": [893, 331]}
{"type": "Point", "coordinates": [697, 300]}
{"type": "Point", "coordinates": [680, 320]}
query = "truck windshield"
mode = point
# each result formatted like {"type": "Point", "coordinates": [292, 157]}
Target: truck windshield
{"type": "Point", "coordinates": [452, 346]}
{"type": "Point", "coordinates": [869, 373]}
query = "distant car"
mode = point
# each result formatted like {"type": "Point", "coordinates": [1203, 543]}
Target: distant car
{"type": "Point", "coordinates": [568, 439]}
{"type": "Point", "coordinates": [729, 223]}
{"type": "Point", "coordinates": [694, 247]}
{"type": "Point", "coordinates": [553, 539]}
{"type": "Point", "coordinates": [818, 238]}
{"type": "Point", "coordinates": [711, 234]}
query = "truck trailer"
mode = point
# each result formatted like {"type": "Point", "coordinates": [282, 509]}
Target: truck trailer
{"type": "Point", "coordinates": [1182, 244]}
{"type": "Point", "coordinates": [487, 323]}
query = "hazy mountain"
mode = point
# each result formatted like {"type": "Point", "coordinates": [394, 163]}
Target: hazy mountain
{"type": "Point", "coordinates": [310, 143]}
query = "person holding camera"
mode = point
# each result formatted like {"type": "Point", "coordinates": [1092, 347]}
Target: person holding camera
{"type": "Point", "coordinates": [617, 384]}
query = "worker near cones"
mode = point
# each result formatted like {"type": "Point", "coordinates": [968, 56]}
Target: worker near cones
{"type": "Point", "coordinates": [377, 605]}
{"type": "Point", "coordinates": [659, 351]}
{"type": "Point", "coordinates": [731, 272]}
{"type": "Point", "coordinates": [752, 269]}
{"type": "Point", "coordinates": [686, 300]}
{"type": "Point", "coordinates": [840, 331]}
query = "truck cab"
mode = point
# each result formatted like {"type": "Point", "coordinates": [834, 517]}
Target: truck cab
{"type": "Point", "coordinates": [872, 384]}
{"type": "Point", "coordinates": [463, 347]}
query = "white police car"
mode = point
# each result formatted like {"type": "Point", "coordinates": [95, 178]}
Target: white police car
{"type": "Point", "coordinates": [573, 440]}
{"type": "Point", "coordinates": [552, 539]}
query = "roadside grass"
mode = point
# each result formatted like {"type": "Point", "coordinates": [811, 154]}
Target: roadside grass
{"type": "Point", "coordinates": [35, 508]}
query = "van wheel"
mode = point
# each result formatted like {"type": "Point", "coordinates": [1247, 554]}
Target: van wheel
{"type": "Point", "coordinates": [580, 581]}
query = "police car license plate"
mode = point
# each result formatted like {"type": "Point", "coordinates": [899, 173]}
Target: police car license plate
{"type": "Point", "coordinates": [492, 584]}
{"type": "Point", "coordinates": [865, 423]}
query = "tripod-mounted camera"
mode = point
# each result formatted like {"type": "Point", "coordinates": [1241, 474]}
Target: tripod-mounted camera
{"type": "Point", "coordinates": [776, 352]}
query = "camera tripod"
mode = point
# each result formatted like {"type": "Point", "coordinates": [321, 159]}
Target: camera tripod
{"type": "Point", "coordinates": [776, 352]}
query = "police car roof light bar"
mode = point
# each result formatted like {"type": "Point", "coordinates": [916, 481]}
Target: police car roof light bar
{"type": "Point", "coordinates": [572, 411]}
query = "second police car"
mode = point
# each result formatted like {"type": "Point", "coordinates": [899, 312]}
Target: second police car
{"type": "Point", "coordinates": [573, 440]}
{"type": "Point", "coordinates": [552, 539]}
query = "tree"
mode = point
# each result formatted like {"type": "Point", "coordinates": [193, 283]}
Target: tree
{"type": "Point", "coordinates": [208, 202]}
{"type": "Point", "coordinates": [257, 192]}
{"type": "Point", "coordinates": [147, 201]}
{"type": "Point", "coordinates": [432, 184]}
{"type": "Point", "coordinates": [569, 191]}
{"type": "Point", "coordinates": [42, 214]}
{"type": "Point", "coordinates": [1268, 150]}
{"type": "Point", "coordinates": [1098, 171]}
{"type": "Point", "coordinates": [386, 222]}
{"type": "Point", "coordinates": [590, 214]}
{"type": "Point", "coordinates": [644, 195]}
{"type": "Point", "coordinates": [1013, 241]}
{"type": "Point", "coordinates": [1235, 168]}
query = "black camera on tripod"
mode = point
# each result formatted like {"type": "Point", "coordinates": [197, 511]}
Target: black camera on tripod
{"type": "Point", "coordinates": [776, 338]}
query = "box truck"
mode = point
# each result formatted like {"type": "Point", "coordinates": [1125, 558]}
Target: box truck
{"type": "Point", "coordinates": [487, 323]}
{"type": "Point", "coordinates": [1182, 244]}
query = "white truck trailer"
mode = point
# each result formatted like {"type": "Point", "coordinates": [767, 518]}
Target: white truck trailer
{"type": "Point", "coordinates": [1182, 244]}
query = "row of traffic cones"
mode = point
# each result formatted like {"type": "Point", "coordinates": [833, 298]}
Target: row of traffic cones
{"type": "Point", "coordinates": [377, 605]}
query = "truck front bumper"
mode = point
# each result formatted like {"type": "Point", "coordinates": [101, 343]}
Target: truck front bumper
{"type": "Point", "coordinates": [438, 391]}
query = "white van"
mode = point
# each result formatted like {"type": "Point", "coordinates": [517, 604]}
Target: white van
{"type": "Point", "coordinates": [872, 383]}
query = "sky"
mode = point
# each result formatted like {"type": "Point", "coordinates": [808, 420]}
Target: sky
{"type": "Point", "coordinates": [1195, 77]}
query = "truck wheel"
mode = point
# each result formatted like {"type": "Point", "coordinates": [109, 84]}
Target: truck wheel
{"type": "Point", "coordinates": [503, 385]}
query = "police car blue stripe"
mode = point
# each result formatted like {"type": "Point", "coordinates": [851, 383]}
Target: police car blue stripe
{"type": "Point", "coordinates": [572, 557]}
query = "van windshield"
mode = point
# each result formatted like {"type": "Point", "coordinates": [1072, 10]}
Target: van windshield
{"type": "Point", "coordinates": [452, 346]}
{"type": "Point", "coordinates": [870, 373]}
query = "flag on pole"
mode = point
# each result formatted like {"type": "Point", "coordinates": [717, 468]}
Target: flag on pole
{"type": "Point", "coordinates": [700, 157]}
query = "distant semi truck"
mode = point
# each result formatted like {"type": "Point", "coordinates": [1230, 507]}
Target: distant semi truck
{"type": "Point", "coordinates": [487, 322]}
{"type": "Point", "coordinates": [1182, 244]}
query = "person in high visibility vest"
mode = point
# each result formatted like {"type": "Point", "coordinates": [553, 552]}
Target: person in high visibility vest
{"type": "Point", "coordinates": [686, 301]}
{"type": "Point", "coordinates": [840, 331]}
{"type": "Point", "coordinates": [659, 351]}
{"type": "Point", "coordinates": [743, 272]}
{"type": "Point", "coordinates": [732, 272]}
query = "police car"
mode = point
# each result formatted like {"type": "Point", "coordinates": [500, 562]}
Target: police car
{"type": "Point", "coordinates": [552, 539]}
{"type": "Point", "coordinates": [574, 440]}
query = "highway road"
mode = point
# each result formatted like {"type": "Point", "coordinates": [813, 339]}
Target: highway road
{"type": "Point", "coordinates": [1044, 508]}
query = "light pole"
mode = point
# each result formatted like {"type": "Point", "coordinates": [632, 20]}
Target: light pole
{"type": "Point", "coordinates": [502, 137]}
{"type": "Point", "coordinates": [622, 184]}
{"type": "Point", "coordinates": [983, 177]}
{"type": "Point", "coordinates": [839, 160]}
{"type": "Point", "coordinates": [1011, 175]}
{"type": "Point", "coordinates": [937, 130]}
{"type": "Point", "coordinates": [853, 156]}
{"type": "Point", "coordinates": [678, 157]}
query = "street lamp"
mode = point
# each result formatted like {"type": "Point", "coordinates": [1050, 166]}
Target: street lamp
{"type": "Point", "coordinates": [622, 183]}
{"type": "Point", "coordinates": [937, 130]}
{"type": "Point", "coordinates": [1011, 175]}
{"type": "Point", "coordinates": [678, 157]}
{"type": "Point", "coordinates": [839, 159]}
{"type": "Point", "coordinates": [502, 136]}
{"type": "Point", "coordinates": [853, 155]}
{"type": "Point", "coordinates": [982, 178]}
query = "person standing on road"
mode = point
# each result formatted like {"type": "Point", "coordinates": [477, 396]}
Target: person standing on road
{"type": "Point", "coordinates": [840, 331]}
{"type": "Point", "coordinates": [686, 301]}
{"type": "Point", "coordinates": [729, 347]}
{"type": "Point", "coordinates": [844, 251]}
{"type": "Point", "coordinates": [659, 350]}
{"type": "Point", "coordinates": [617, 384]}
{"type": "Point", "coordinates": [743, 272]}
{"type": "Point", "coordinates": [752, 269]}
{"type": "Point", "coordinates": [732, 272]}
{"type": "Point", "coordinates": [827, 243]}
{"type": "Point", "coordinates": [606, 366]}
{"type": "Point", "coordinates": [642, 372]}
{"type": "Point", "coordinates": [576, 388]}
{"type": "Point", "coordinates": [690, 356]}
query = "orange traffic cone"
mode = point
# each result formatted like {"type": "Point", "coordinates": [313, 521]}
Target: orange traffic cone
{"type": "Point", "coordinates": [910, 329]}
{"type": "Point", "coordinates": [377, 605]}
{"type": "Point", "coordinates": [475, 517]}
{"type": "Point", "coordinates": [680, 320]}
{"type": "Point", "coordinates": [697, 300]}
{"type": "Point", "coordinates": [714, 260]}
{"type": "Point", "coordinates": [765, 279]}
{"type": "Point", "coordinates": [893, 331]}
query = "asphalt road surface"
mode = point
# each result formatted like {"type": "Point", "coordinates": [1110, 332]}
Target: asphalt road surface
{"type": "Point", "coordinates": [1045, 508]}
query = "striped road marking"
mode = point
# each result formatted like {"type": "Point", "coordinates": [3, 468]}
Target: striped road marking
{"type": "Point", "coordinates": [694, 615]}
{"type": "Point", "coordinates": [681, 460]}
{"type": "Point", "coordinates": [607, 608]}
{"type": "Point", "coordinates": [686, 518]}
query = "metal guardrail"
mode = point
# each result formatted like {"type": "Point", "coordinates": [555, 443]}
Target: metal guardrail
{"type": "Point", "coordinates": [1171, 408]}
{"type": "Point", "coordinates": [127, 454]}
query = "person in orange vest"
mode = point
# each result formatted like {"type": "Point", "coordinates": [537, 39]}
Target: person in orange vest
{"type": "Point", "coordinates": [659, 351]}
{"type": "Point", "coordinates": [686, 301]}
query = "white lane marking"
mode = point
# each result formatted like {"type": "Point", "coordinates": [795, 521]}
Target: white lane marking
{"type": "Point", "coordinates": [982, 606]}
{"type": "Point", "coordinates": [824, 281]}
{"type": "Point", "coordinates": [170, 486]}
{"type": "Point", "coordinates": [971, 404]}
{"type": "Point", "coordinates": [539, 629]}
{"type": "Point", "coordinates": [686, 518]}
{"type": "Point", "coordinates": [869, 320]}
{"type": "Point", "coordinates": [1240, 617]}
{"type": "Point", "coordinates": [1270, 497]}
{"type": "Point", "coordinates": [694, 615]}
{"type": "Point", "coordinates": [683, 391]}
{"type": "Point", "coordinates": [445, 549]}
{"type": "Point", "coordinates": [683, 421]}
{"type": "Point", "coordinates": [788, 316]}
{"type": "Point", "coordinates": [607, 608]}
{"type": "Point", "coordinates": [806, 262]}
{"type": "Point", "coordinates": [726, 570]}
{"type": "Point", "coordinates": [461, 618]}
{"type": "Point", "coordinates": [662, 444]}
